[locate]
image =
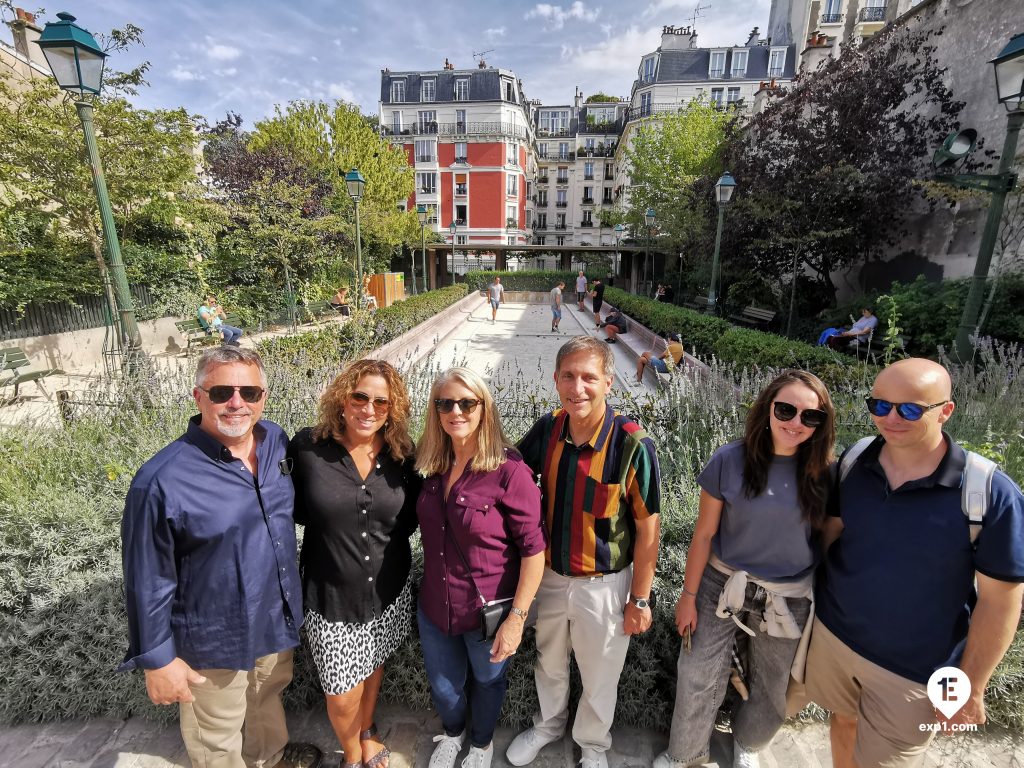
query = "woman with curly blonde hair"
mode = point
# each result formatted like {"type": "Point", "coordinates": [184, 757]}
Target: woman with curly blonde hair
{"type": "Point", "coordinates": [355, 491]}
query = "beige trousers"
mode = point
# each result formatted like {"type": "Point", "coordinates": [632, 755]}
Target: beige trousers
{"type": "Point", "coordinates": [585, 617]}
{"type": "Point", "coordinates": [212, 725]}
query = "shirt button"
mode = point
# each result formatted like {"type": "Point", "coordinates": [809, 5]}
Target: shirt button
{"type": "Point", "coordinates": [364, 534]}
{"type": "Point", "coordinates": [363, 511]}
{"type": "Point", "coordinates": [277, 544]}
{"type": "Point", "coordinates": [282, 570]}
{"type": "Point", "coordinates": [366, 557]}
{"type": "Point", "coordinates": [287, 595]}
{"type": "Point", "coordinates": [363, 487]}
{"type": "Point", "coordinates": [370, 579]}
{"type": "Point", "coordinates": [462, 498]}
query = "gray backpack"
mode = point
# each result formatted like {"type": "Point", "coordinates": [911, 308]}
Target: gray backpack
{"type": "Point", "coordinates": [976, 486]}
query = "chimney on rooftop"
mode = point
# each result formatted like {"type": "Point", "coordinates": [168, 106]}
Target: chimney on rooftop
{"type": "Point", "coordinates": [25, 32]}
{"type": "Point", "coordinates": [754, 37]}
{"type": "Point", "coordinates": [693, 38]}
{"type": "Point", "coordinates": [577, 101]}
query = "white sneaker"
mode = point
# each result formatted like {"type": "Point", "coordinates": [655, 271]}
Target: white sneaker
{"type": "Point", "coordinates": [447, 750]}
{"type": "Point", "coordinates": [478, 758]}
{"type": "Point", "coordinates": [594, 759]}
{"type": "Point", "coordinates": [744, 758]}
{"type": "Point", "coordinates": [524, 747]}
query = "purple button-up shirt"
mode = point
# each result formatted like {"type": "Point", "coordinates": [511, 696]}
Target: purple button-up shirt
{"type": "Point", "coordinates": [495, 518]}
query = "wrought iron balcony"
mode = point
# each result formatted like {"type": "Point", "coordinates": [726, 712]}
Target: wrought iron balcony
{"type": "Point", "coordinates": [542, 179]}
{"type": "Point", "coordinates": [502, 128]}
{"type": "Point", "coordinates": [461, 160]}
{"type": "Point", "coordinates": [426, 158]}
{"type": "Point", "coordinates": [588, 177]}
{"type": "Point", "coordinates": [560, 226]}
{"type": "Point", "coordinates": [562, 180]}
{"type": "Point", "coordinates": [586, 223]}
{"type": "Point", "coordinates": [542, 203]}
{"type": "Point", "coordinates": [562, 204]}
{"type": "Point", "coordinates": [875, 13]}
{"type": "Point", "coordinates": [831, 18]}
{"type": "Point", "coordinates": [716, 74]}
{"type": "Point", "coordinates": [541, 225]}
{"type": "Point", "coordinates": [588, 201]}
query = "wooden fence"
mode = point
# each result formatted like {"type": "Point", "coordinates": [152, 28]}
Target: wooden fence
{"type": "Point", "coordinates": [41, 319]}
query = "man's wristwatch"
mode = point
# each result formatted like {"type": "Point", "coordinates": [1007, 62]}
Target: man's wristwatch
{"type": "Point", "coordinates": [639, 602]}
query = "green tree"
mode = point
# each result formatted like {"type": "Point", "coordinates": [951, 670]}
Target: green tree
{"type": "Point", "coordinates": [147, 155]}
{"type": "Point", "coordinates": [599, 97]}
{"type": "Point", "coordinates": [329, 141]}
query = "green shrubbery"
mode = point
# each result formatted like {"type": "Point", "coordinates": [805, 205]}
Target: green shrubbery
{"type": "Point", "coordinates": [523, 280]}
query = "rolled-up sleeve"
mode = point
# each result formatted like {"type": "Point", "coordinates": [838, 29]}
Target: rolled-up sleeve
{"type": "Point", "coordinates": [520, 507]}
{"type": "Point", "coordinates": [150, 580]}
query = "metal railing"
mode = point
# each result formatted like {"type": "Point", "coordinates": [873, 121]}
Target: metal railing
{"type": "Point", "coordinates": [562, 204]}
{"type": "Point", "coordinates": [716, 74]}
{"type": "Point", "coordinates": [586, 223]}
{"type": "Point", "coordinates": [504, 128]}
{"type": "Point", "coordinates": [560, 226]}
{"type": "Point", "coordinates": [588, 201]}
{"type": "Point", "coordinates": [426, 158]}
{"type": "Point", "coordinates": [562, 180]}
{"type": "Point", "coordinates": [542, 179]}
{"type": "Point", "coordinates": [541, 203]}
{"type": "Point", "coordinates": [876, 13]}
{"type": "Point", "coordinates": [831, 18]}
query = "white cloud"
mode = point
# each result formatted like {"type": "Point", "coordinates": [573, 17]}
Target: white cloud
{"type": "Point", "coordinates": [183, 75]}
{"type": "Point", "coordinates": [626, 46]}
{"type": "Point", "coordinates": [221, 52]}
{"type": "Point", "coordinates": [229, 72]}
{"type": "Point", "coordinates": [342, 91]}
{"type": "Point", "coordinates": [556, 16]}
{"type": "Point", "coordinates": [494, 33]}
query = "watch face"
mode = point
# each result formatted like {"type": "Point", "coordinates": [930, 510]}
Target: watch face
{"type": "Point", "coordinates": [641, 603]}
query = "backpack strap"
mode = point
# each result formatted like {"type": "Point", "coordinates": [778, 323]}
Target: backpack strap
{"type": "Point", "coordinates": [852, 454]}
{"type": "Point", "coordinates": [976, 488]}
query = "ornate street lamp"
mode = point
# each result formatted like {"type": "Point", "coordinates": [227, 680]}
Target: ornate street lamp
{"type": "Point", "coordinates": [1009, 72]}
{"type": "Point", "coordinates": [421, 213]}
{"type": "Point", "coordinates": [76, 61]}
{"type": "Point", "coordinates": [619, 229]}
{"type": "Point", "coordinates": [356, 184]}
{"type": "Point", "coordinates": [452, 228]}
{"type": "Point", "coordinates": [724, 188]}
{"type": "Point", "coordinates": [649, 221]}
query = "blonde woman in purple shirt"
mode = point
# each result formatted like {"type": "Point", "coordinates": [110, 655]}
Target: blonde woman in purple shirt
{"type": "Point", "coordinates": [483, 540]}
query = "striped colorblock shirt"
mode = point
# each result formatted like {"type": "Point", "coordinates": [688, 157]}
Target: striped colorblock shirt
{"type": "Point", "coordinates": [593, 493]}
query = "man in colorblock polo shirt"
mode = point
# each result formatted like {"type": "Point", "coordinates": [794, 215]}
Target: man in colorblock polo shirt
{"type": "Point", "coordinates": [904, 591]}
{"type": "Point", "coordinates": [600, 488]}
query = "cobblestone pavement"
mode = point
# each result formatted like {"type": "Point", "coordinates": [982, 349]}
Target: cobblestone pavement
{"type": "Point", "coordinates": [136, 743]}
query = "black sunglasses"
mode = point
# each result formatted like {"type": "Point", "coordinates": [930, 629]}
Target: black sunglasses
{"type": "Point", "coordinates": [380, 404]}
{"type": "Point", "coordinates": [221, 393]}
{"type": "Point", "coordinates": [809, 417]}
{"type": "Point", "coordinates": [907, 411]}
{"type": "Point", "coordinates": [446, 404]}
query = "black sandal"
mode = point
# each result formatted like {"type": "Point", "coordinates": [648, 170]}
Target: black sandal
{"type": "Point", "coordinates": [380, 757]}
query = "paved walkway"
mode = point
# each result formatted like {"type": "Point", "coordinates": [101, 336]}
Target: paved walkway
{"type": "Point", "coordinates": [520, 344]}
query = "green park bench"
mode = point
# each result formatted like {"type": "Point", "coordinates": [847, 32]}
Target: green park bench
{"type": "Point", "coordinates": [754, 317]}
{"type": "Point", "coordinates": [12, 362]}
{"type": "Point", "coordinates": [699, 304]}
{"type": "Point", "coordinates": [196, 334]}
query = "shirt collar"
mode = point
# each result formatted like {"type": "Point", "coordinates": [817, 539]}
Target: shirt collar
{"type": "Point", "coordinates": [948, 474]}
{"type": "Point", "coordinates": [212, 447]}
{"type": "Point", "coordinates": [598, 439]}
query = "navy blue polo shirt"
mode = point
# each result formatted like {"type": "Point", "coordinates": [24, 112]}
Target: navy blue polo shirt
{"type": "Point", "coordinates": [898, 583]}
{"type": "Point", "coordinates": [210, 571]}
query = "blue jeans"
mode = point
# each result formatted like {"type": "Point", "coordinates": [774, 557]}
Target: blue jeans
{"type": "Point", "coordinates": [703, 674]}
{"type": "Point", "coordinates": [231, 334]}
{"type": "Point", "coordinates": [449, 661]}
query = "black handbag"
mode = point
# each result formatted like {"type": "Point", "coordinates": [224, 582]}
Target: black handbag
{"type": "Point", "coordinates": [492, 612]}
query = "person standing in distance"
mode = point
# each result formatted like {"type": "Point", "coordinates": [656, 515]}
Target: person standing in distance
{"type": "Point", "coordinates": [211, 583]}
{"type": "Point", "coordinates": [556, 306]}
{"type": "Point", "coordinates": [581, 289]}
{"type": "Point", "coordinates": [495, 294]}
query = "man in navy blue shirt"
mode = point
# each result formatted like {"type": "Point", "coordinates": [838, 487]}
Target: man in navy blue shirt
{"type": "Point", "coordinates": [211, 584]}
{"type": "Point", "coordinates": [897, 598]}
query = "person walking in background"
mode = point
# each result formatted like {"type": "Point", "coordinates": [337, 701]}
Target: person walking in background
{"type": "Point", "coordinates": [356, 490]}
{"type": "Point", "coordinates": [495, 294]}
{"type": "Point", "coordinates": [911, 583]}
{"type": "Point", "coordinates": [211, 584]}
{"type": "Point", "coordinates": [750, 565]}
{"type": "Point", "coordinates": [581, 289]}
{"type": "Point", "coordinates": [601, 555]}
{"type": "Point", "coordinates": [597, 295]}
{"type": "Point", "coordinates": [211, 314]}
{"type": "Point", "coordinates": [556, 306]}
{"type": "Point", "coordinates": [483, 540]}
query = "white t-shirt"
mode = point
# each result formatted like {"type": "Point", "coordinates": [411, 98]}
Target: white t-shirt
{"type": "Point", "coordinates": [581, 284]}
{"type": "Point", "coordinates": [496, 291]}
{"type": "Point", "coordinates": [556, 297]}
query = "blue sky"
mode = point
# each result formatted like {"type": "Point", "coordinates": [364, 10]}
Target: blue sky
{"type": "Point", "coordinates": [212, 56]}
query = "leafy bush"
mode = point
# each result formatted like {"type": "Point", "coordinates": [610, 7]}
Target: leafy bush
{"type": "Point", "coordinates": [698, 331]}
{"type": "Point", "coordinates": [756, 348]}
{"type": "Point", "coordinates": [523, 280]}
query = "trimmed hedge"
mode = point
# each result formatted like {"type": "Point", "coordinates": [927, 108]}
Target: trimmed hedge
{"type": "Point", "coordinates": [523, 280]}
{"type": "Point", "coordinates": [366, 330]}
{"type": "Point", "coordinates": [706, 335]}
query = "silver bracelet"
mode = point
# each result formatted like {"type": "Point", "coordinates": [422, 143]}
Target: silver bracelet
{"type": "Point", "coordinates": [687, 592]}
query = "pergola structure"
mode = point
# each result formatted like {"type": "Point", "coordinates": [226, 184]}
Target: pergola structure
{"type": "Point", "coordinates": [630, 257]}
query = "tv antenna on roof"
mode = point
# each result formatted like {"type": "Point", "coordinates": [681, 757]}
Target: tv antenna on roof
{"type": "Point", "coordinates": [697, 13]}
{"type": "Point", "coordinates": [480, 55]}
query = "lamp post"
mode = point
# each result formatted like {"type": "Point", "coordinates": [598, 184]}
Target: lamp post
{"type": "Point", "coordinates": [76, 61]}
{"type": "Point", "coordinates": [724, 188]}
{"type": "Point", "coordinates": [452, 228]}
{"type": "Point", "coordinates": [1009, 72]}
{"type": "Point", "coordinates": [356, 184]}
{"type": "Point", "coordinates": [421, 212]}
{"type": "Point", "coordinates": [649, 221]}
{"type": "Point", "coordinates": [619, 229]}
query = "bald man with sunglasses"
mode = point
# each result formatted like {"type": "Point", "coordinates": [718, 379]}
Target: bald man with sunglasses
{"type": "Point", "coordinates": [211, 583]}
{"type": "Point", "coordinates": [904, 591]}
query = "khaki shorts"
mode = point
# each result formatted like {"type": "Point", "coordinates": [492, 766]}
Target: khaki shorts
{"type": "Point", "coordinates": [889, 709]}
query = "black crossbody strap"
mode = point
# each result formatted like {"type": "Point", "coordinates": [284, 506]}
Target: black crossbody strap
{"type": "Point", "coordinates": [465, 562]}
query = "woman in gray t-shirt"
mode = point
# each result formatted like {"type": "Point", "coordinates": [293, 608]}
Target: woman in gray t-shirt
{"type": "Point", "coordinates": [761, 499]}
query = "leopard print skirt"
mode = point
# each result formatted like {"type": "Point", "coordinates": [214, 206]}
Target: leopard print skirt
{"type": "Point", "coordinates": [346, 653]}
